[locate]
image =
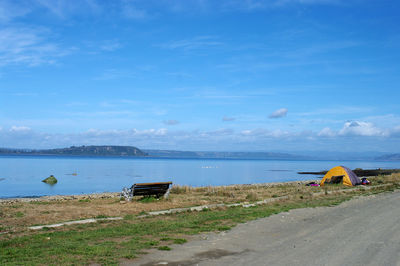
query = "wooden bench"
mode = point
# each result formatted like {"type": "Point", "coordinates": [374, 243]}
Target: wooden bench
{"type": "Point", "coordinates": [157, 189]}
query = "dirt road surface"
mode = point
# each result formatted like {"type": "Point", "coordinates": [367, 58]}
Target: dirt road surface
{"type": "Point", "coordinates": [363, 231]}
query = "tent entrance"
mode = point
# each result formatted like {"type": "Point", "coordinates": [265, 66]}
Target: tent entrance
{"type": "Point", "coordinates": [338, 179]}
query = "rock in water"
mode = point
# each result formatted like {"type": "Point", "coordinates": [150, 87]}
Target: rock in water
{"type": "Point", "coordinates": [51, 180]}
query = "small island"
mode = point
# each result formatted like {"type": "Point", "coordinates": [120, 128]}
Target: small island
{"type": "Point", "coordinates": [51, 180]}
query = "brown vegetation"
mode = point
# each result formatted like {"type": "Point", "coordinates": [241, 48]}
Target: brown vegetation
{"type": "Point", "coordinates": [16, 216]}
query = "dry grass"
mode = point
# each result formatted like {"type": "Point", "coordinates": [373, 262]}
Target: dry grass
{"type": "Point", "coordinates": [17, 216]}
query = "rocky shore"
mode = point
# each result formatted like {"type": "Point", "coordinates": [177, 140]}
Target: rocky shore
{"type": "Point", "coordinates": [104, 195]}
{"type": "Point", "coordinates": [107, 195]}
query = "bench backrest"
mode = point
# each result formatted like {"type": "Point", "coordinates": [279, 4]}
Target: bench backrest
{"type": "Point", "coordinates": [148, 189]}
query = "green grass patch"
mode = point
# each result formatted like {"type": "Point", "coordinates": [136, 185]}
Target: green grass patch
{"type": "Point", "coordinates": [19, 214]}
{"type": "Point", "coordinates": [147, 199]}
{"type": "Point", "coordinates": [108, 243]}
{"type": "Point", "coordinates": [129, 217]}
{"type": "Point", "coordinates": [152, 243]}
{"type": "Point", "coordinates": [84, 200]}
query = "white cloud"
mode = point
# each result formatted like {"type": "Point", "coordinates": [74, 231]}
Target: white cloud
{"type": "Point", "coordinates": [327, 132]}
{"type": "Point", "coordinates": [221, 139]}
{"type": "Point", "coordinates": [279, 113]}
{"type": "Point", "coordinates": [359, 128]}
{"type": "Point", "coordinates": [20, 129]}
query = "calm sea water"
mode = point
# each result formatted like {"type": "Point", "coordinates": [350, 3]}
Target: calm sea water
{"type": "Point", "coordinates": [21, 176]}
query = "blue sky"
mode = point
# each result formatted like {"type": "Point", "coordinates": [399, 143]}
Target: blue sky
{"type": "Point", "coordinates": [228, 75]}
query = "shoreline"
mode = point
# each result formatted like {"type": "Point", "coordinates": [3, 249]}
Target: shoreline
{"type": "Point", "coordinates": [108, 195]}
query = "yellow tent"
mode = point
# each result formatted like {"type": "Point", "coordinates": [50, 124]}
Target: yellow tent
{"type": "Point", "coordinates": [341, 174]}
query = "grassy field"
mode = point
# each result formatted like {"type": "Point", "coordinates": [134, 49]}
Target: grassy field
{"type": "Point", "coordinates": [110, 242]}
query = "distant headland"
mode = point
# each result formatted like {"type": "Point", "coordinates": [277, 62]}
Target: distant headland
{"type": "Point", "coordinates": [128, 151]}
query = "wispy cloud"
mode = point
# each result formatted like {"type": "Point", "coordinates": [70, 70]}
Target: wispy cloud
{"type": "Point", "coordinates": [338, 109]}
{"type": "Point", "coordinates": [10, 10]}
{"type": "Point", "coordinates": [110, 74]}
{"type": "Point", "coordinates": [131, 10]}
{"type": "Point", "coordinates": [179, 74]}
{"type": "Point", "coordinates": [327, 47]}
{"type": "Point", "coordinates": [279, 113]}
{"type": "Point", "coordinates": [20, 129]}
{"type": "Point", "coordinates": [309, 2]}
{"type": "Point", "coordinates": [110, 45]}
{"type": "Point", "coordinates": [24, 94]}
{"type": "Point", "coordinates": [199, 42]}
{"type": "Point", "coordinates": [64, 8]}
{"type": "Point", "coordinates": [253, 5]}
{"type": "Point", "coordinates": [28, 45]}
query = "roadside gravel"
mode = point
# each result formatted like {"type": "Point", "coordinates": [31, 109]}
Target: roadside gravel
{"type": "Point", "coordinates": [363, 231]}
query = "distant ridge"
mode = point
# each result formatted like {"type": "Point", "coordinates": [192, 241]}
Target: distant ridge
{"type": "Point", "coordinates": [80, 151]}
{"type": "Point", "coordinates": [223, 155]}
{"type": "Point", "coordinates": [389, 157]}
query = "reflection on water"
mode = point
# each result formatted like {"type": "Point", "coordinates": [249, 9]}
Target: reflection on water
{"type": "Point", "coordinates": [24, 174]}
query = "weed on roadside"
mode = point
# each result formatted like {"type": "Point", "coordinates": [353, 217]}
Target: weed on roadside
{"type": "Point", "coordinates": [166, 248]}
{"type": "Point", "coordinates": [179, 241]}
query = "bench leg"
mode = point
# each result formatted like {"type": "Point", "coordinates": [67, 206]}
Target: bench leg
{"type": "Point", "coordinates": [166, 195]}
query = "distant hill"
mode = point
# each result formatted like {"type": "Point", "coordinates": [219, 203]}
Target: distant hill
{"type": "Point", "coordinates": [130, 151]}
{"type": "Point", "coordinates": [389, 157]}
{"type": "Point", "coordinates": [222, 155]}
{"type": "Point", "coordinates": [80, 151]}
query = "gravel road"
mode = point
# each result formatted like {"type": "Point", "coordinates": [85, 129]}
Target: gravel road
{"type": "Point", "coordinates": [363, 231]}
